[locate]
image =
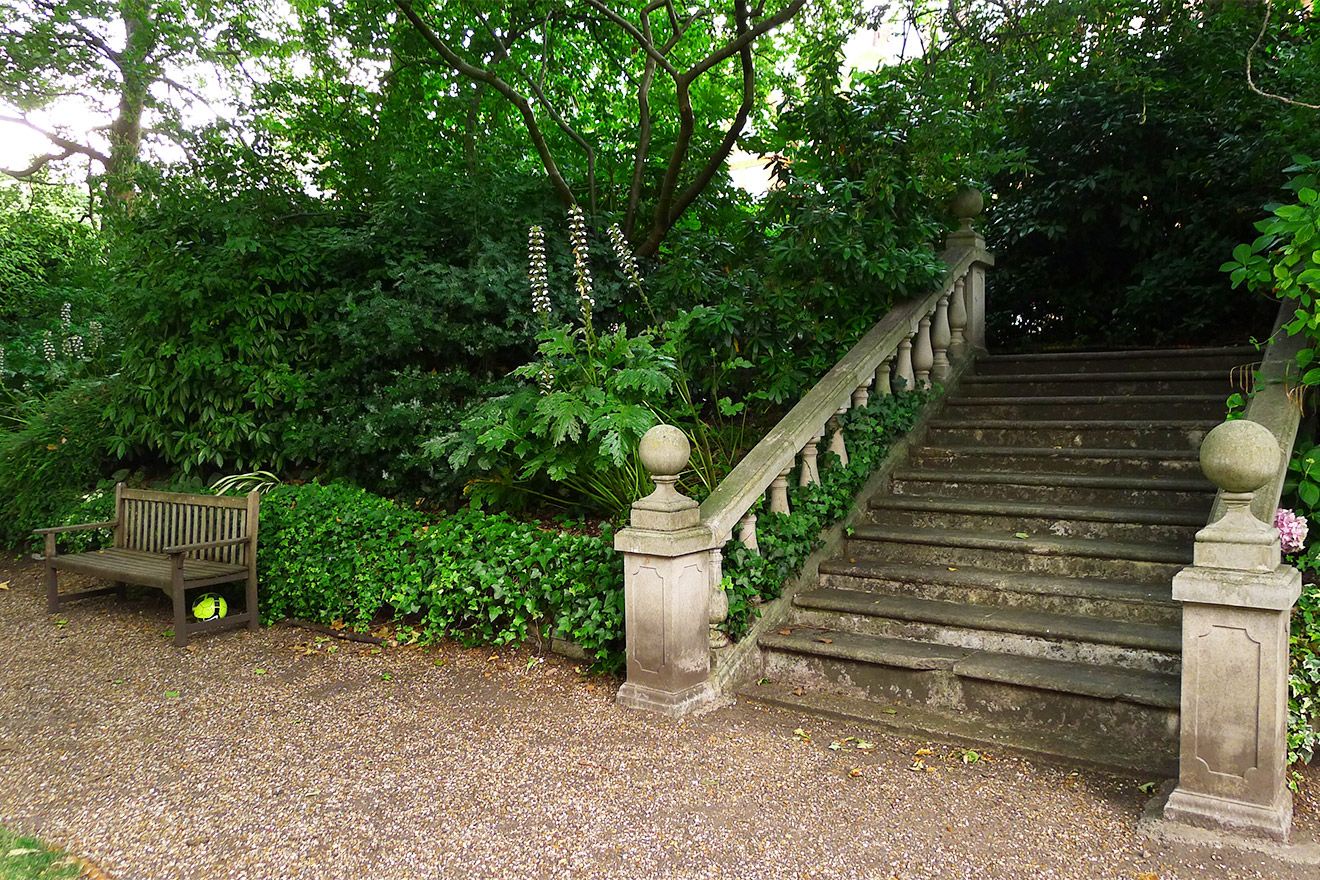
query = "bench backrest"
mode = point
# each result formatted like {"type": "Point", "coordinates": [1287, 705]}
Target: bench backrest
{"type": "Point", "coordinates": [151, 521]}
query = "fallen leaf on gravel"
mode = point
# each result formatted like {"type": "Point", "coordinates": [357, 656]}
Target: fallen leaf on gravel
{"type": "Point", "coordinates": [492, 658]}
{"type": "Point", "coordinates": [1021, 535]}
{"type": "Point", "coordinates": [4, 585]}
{"type": "Point", "coordinates": [172, 695]}
{"type": "Point", "coordinates": [797, 692]}
{"type": "Point", "coordinates": [825, 640]}
{"type": "Point", "coordinates": [1147, 875]}
{"type": "Point", "coordinates": [785, 631]}
{"type": "Point", "coordinates": [439, 661]}
{"type": "Point", "coordinates": [952, 568]}
{"type": "Point", "coordinates": [258, 671]}
{"type": "Point", "coordinates": [855, 772]}
{"type": "Point", "coordinates": [864, 746]}
{"type": "Point", "coordinates": [1146, 788]}
{"type": "Point", "coordinates": [918, 766]}
{"type": "Point", "coordinates": [802, 735]}
{"type": "Point", "coordinates": [889, 711]}
{"type": "Point", "coordinates": [923, 753]}
{"type": "Point", "coordinates": [970, 756]}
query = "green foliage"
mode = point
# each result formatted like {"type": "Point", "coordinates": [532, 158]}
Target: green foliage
{"type": "Point", "coordinates": [1302, 485]}
{"type": "Point", "coordinates": [27, 858]}
{"type": "Point", "coordinates": [338, 553]}
{"type": "Point", "coordinates": [785, 541]}
{"type": "Point", "coordinates": [1304, 654]}
{"type": "Point", "coordinates": [53, 452]}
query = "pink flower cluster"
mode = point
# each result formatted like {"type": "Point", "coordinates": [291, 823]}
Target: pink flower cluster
{"type": "Point", "coordinates": [1292, 530]}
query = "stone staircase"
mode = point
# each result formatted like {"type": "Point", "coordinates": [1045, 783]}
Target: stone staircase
{"type": "Point", "coordinates": [1011, 583]}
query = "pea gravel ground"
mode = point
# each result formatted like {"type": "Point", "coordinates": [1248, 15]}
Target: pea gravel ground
{"type": "Point", "coordinates": [275, 755]}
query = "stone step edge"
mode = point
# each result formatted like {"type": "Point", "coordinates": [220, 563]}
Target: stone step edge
{"type": "Point", "coordinates": [1120, 354]}
{"type": "Point", "coordinates": [1090, 548]}
{"type": "Point", "coordinates": [923, 723]}
{"type": "Point", "coordinates": [1069, 452]}
{"type": "Point", "coordinates": [1115, 376]}
{"type": "Point", "coordinates": [1115, 400]}
{"type": "Point", "coordinates": [1074, 424]}
{"type": "Point", "coordinates": [1149, 516]}
{"type": "Point", "coordinates": [1152, 689]}
{"type": "Point", "coordinates": [972, 577]}
{"type": "Point", "coordinates": [1072, 481]}
{"type": "Point", "coordinates": [1047, 625]}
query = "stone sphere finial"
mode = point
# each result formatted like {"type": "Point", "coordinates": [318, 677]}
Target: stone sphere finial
{"type": "Point", "coordinates": [1240, 456]}
{"type": "Point", "coordinates": [664, 451]}
{"type": "Point", "coordinates": [967, 202]}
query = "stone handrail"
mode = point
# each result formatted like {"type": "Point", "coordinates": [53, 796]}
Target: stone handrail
{"type": "Point", "coordinates": [1272, 406]}
{"type": "Point", "coordinates": [849, 383]}
{"type": "Point", "coordinates": [673, 548]}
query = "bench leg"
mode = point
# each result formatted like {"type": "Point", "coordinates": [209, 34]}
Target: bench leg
{"type": "Point", "coordinates": [52, 590]}
{"type": "Point", "coordinates": [52, 578]}
{"type": "Point", "coordinates": [121, 590]}
{"type": "Point", "coordinates": [252, 600]}
{"type": "Point", "coordinates": [180, 605]}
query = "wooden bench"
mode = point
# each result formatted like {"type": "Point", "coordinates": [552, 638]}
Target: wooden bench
{"type": "Point", "coordinates": [171, 541]}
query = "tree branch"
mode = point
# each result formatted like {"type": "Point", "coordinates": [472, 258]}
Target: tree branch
{"type": "Point", "coordinates": [728, 50]}
{"type": "Point", "coordinates": [512, 95]}
{"type": "Point", "coordinates": [1251, 81]}
{"type": "Point", "coordinates": [70, 147]}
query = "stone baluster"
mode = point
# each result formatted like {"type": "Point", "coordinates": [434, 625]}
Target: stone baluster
{"type": "Point", "coordinates": [861, 395]}
{"type": "Point", "coordinates": [940, 337]}
{"type": "Point", "coordinates": [667, 581]}
{"type": "Point", "coordinates": [1237, 598]}
{"type": "Point", "coordinates": [967, 204]}
{"type": "Point", "coordinates": [882, 388]}
{"type": "Point", "coordinates": [958, 321]}
{"type": "Point", "coordinates": [923, 356]}
{"type": "Point", "coordinates": [779, 491]}
{"type": "Point", "coordinates": [837, 444]}
{"type": "Point", "coordinates": [809, 475]}
{"type": "Point", "coordinates": [719, 600]}
{"type": "Point", "coordinates": [747, 532]}
{"type": "Point", "coordinates": [903, 372]}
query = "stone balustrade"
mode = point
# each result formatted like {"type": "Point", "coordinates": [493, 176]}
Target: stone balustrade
{"type": "Point", "coordinates": [672, 554]}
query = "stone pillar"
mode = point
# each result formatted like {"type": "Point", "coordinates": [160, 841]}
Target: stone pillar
{"type": "Point", "coordinates": [940, 337]}
{"type": "Point", "coordinates": [1236, 599]}
{"type": "Point", "coordinates": [667, 587]}
{"type": "Point", "coordinates": [958, 321]}
{"type": "Point", "coordinates": [966, 205]}
{"type": "Point", "coordinates": [923, 356]}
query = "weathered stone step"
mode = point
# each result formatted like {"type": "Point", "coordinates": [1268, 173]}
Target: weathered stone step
{"type": "Point", "coordinates": [1194, 495]}
{"type": "Point", "coordinates": [1067, 557]}
{"type": "Point", "coordinates": [1151, 525]}
{"type": "Point", "coordinates": [1077, 406]}
{"type": "Point", "coordinates": [1132, 361]}
{"type": "Point", "coordinates": [1027, 459]}
{"type": "Point", "coordinates": [926, 723]}
{"type": "Point", "coordinates": [1088, 434]}
{"type": "Point", "coordinates": [1126, 710]}
{"type": "Point", "coordinates": [1004, 630]}
{"type": "Point", "coordinates": [1117, 384]}
{"type": "Point", "coordinates": [1095, 597]}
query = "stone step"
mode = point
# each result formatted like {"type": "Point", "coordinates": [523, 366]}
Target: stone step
{"type": "Point", "coordinates": [1026, 459]}
{"type": "Point", "coordinates": [1115, 600]}
{"type": "Point", "coordinates": [1132, 361]}
{"type": "Point", "coordinates": [1188, 495]}
{"type": "Point", "coordinates": [1117, 384]}
{"type": "Point", "coordinates": [1139, 524]}
{"type": "Point", "coordinates": [1083, 407]}
{"type": "Point", "coordinates": [1132, 714]}
{"type": "Point", "coordinates": [1035, 554]}
{"type": "Point", "coordinates": [1081, 434]}
{"type": "Point", "coordinates": [954, 726]}
{"type": "Point", "coordinates": [1004, 630]}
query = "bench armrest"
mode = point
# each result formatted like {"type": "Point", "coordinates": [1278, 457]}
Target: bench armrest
{"type": "Point", "coordinates": [204, 545]}
{"type": "Point", "coordinates": [82, 527]}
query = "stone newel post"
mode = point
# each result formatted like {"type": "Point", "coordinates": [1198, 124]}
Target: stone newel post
{"type": "Point", "coordinates": [1236, 599]}
{"type": "Point", "coordinates": [667, 587]}
{"type": "Point", "coordinates": [966, 205]}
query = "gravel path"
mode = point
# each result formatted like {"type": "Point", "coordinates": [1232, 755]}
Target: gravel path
{"type": "Point", "coordinates": [271, 756]}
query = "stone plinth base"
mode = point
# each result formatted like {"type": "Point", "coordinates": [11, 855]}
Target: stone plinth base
{"type": "Point", "coordinates": [1157, 824]}
{"type": "Point", "coordinates": [1271, 822]}
{"type": "Point", "coordinates": [671, 704]}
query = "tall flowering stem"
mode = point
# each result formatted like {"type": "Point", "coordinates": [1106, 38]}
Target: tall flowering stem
{"type": "Point", "coordinates": [537, 274]}
{"type": "Point", "coordinates": [627, 260]}
{"type": "Point", "coordinates": [577, 234]}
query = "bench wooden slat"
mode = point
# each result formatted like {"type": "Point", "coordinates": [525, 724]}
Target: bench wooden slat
{"type": "Point", "coordinates": [148, 569]}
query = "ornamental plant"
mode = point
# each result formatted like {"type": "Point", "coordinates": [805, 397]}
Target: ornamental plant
{"type": "Point", "coordinates": [566, 435]}
{"type": "Point", "coordinates": [1292, 530]}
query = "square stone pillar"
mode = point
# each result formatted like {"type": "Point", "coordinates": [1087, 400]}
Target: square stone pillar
{"type": "Point", "coordinates": [667, 588]}
{"type": "Point", "coordinates": [1237, 600]}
